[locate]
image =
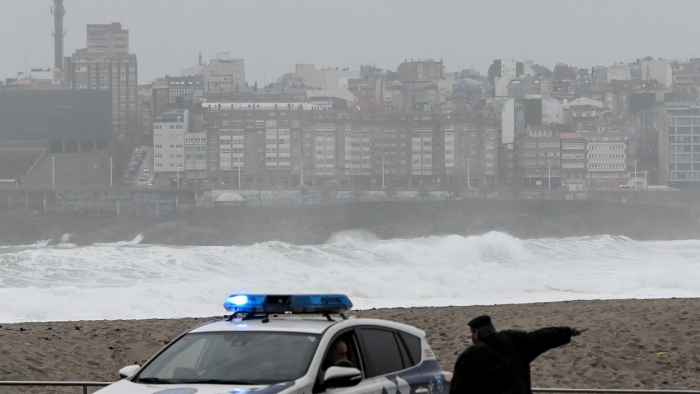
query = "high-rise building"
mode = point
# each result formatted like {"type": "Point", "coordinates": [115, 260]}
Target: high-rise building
{"type": "Point", "coordinates": [679, 145]}
{"type": "Point", "coordinates": [109, 66]}
{"type": "Point", "coordinates": [107, 38]}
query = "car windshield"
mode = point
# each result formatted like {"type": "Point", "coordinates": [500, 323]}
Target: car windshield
{"type": "Point", "coordinates": [233, 358]}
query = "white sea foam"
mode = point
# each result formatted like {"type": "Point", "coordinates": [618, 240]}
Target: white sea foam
{"type": "Point", "coordinates": [111, 281]}
{"type": "Point", "coordinates": [136, 241]}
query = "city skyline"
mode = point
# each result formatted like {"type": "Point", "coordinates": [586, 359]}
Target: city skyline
{"type": "Point", "coordinates": [463, 35]}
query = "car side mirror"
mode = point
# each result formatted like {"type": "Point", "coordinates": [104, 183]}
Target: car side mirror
{"type": "Point", "coordinates": [341, 377]}
{"type": "Point", "coordinates": [128, 371]}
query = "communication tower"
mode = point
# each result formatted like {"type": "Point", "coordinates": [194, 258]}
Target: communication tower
{"type": "Point", "coordinates": [58, 10]}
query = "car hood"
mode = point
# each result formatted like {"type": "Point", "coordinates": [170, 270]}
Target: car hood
{"type": "Point", "coordinates": [127, 386]}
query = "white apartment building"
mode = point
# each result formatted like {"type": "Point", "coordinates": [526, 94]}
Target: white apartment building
{"type": "Point", "coordinates": [450, 148]}
{"type": "Point", "coordinates": [196, 152]}
{"type": "Point", "coordinates": [223, 71]}
{"type": "Point", "coordinates": [679, 145]}
{"type": "Point", "coordinates": [489, 150]}
{"type": "Point", "coordinates": [277, 146]}
{"type": "Point", "coordinates": [620, 72]}
{"type": "Point", "coordinates": [169, 130]}
{"type": "Point", "coordinates": [325, 149]}
{"type": "Point", "coordinates": [422, 150]}
{"type": "Point", "coordinates": [551, 111]}
{"type": "Point", "coordinates": [606, 159]}
{"type": "Point", "coordinates": [573, 155]}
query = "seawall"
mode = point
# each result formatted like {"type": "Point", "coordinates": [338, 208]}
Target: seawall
{"type": "Point", "coordinates": [315, 224]}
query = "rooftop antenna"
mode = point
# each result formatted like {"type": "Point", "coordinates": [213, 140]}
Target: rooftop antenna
{"type": "Point", "coordinates": [648, 88]}
{"type": "Point", "coordinates": [58, 10]}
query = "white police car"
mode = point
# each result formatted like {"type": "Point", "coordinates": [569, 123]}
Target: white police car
{"type": "Point", "coordinates": [254, 352]}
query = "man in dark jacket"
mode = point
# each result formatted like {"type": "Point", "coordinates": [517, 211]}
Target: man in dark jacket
{"type": "Point", "coordinates": [499, 362]}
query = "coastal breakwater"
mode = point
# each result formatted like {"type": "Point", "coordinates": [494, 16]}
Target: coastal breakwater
{"type": "Point", "coordinates": [306, 225]}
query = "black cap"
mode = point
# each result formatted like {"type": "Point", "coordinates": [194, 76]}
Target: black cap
{"type": "Point", "coordinates": [479, 322]}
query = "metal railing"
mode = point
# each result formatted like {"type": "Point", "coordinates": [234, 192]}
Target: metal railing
{"type": "Point", "coordinates": [616, 391]}
{"type": "Point", "coordinates": [85, 386]}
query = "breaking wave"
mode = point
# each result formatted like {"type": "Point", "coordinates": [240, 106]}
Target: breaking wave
{"type": "Point", "coordinates": [128, 280]}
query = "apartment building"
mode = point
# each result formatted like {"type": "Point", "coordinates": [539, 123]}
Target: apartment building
{"type": "Point", "coordinates": [606, 159]}
{"type": "Point", "coordinates": [420, 70]}
{"type": "Point", "coordinates": [686, 81]}
{"type": "Point", "coordinates": [679, 145]}
{"type": "Point", "coordinates": [539, 157]}
{"type": "Point", "coordinates": [106, 64]}
{"type": "Point", "coordinates": [110, 38]}
{"type": "Point", "coordinates": [470, 151]}
{"type": "Point", "coordinates": [169, 130]}
{"type": "Point", "coordinates": [177, 92]}
{"type": "Point", "coordinates": [527, 87]}
{"type": "Point", "coordinates": [573, 157]}
{"type": "Point", "coordinates": [116, 72]}
{"type": "Point", "coordinates": [222, 72]}
{"type": "Point", "coordinates": [288, 144]}
{"type": "Point", "coordinates": [144, 108]}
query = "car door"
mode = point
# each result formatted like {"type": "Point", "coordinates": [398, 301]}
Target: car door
{"type": "Point", "coordinates": [424, 374]}
{"type": "Point", "coordinates": [384, 358]}
{"type": "Point", "coordinates": [393, 359]}
{"type": "Point", "coordinates": [355, 357]}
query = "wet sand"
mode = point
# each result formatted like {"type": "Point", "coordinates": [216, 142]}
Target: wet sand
{"type": "Point", "coordinates": [644, 344]}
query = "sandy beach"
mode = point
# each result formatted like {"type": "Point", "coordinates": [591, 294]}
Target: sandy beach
{"type": "Point", "coordinates": [644, 344]}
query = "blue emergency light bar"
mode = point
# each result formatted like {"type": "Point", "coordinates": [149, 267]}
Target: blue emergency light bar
{"type": "Point", "coordinates": [294, 303]}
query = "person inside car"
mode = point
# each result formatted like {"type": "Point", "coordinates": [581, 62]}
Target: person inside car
{"type": "Point", "coordinates": [338, 351]}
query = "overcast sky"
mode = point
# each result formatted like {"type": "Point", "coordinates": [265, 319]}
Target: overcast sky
{"type": "Point", "coordinates": [272, 36]}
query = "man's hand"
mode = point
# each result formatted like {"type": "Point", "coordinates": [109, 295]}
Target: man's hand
{"type": "Point", "coordinates": [575, 331]}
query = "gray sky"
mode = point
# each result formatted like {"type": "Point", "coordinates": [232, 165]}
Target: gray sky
{"type": "Point", "coordinates": [272, 36]}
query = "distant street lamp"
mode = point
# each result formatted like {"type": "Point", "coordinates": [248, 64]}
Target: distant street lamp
{"type": "Point", "coordinates": [383, 184]}
{"type": "Point", "coordinates": [301, 171]}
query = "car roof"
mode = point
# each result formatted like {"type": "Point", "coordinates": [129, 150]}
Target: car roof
{"type": "Point", "coordinates": [286, 324]}
{"type": "Point", "coordinates": [309, 325]}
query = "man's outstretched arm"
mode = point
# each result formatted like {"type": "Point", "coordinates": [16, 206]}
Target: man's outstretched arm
{"type": "Point", "coordinates": [539, 341]}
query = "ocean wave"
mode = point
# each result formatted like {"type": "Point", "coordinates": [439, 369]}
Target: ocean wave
{"type": "Point", "coordinates": [123, 281]}
{"type": "Point", "coordinates": [134, 242]}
